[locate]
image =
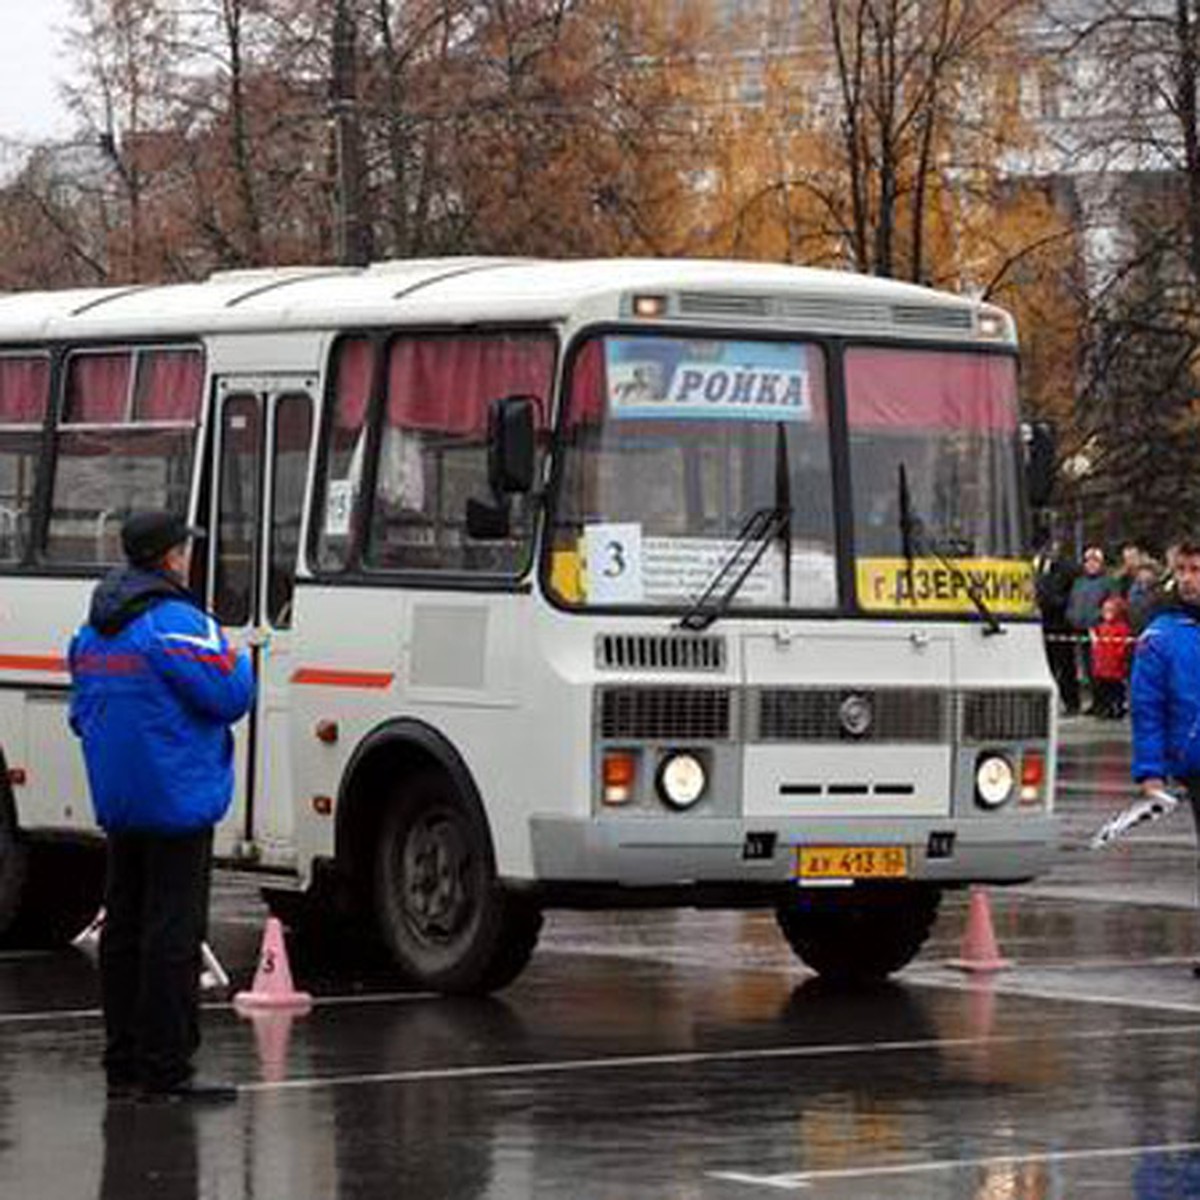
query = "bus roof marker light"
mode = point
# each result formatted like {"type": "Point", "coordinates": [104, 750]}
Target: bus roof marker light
{"type": "Point", "coordinates": [991, 324]}
{"type": "Point", "coordinates": [649, 306]}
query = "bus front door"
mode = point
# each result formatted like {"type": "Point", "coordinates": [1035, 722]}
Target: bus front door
{"type": "Point", "coordinates": [261, 447]}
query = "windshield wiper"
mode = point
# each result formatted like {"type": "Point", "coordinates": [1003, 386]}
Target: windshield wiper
{"type": "Point", "coordinates": [913, 535]}
{"type": "Point", "coordinates": [762, 527]}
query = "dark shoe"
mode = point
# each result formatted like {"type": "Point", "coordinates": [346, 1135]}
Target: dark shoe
{"type": "Point", "coordinates": [123, 1089]}
{"type": "Point", "coordinates": [197, 1091]}
{"type": "Point", "coordinates": [1196, 970]}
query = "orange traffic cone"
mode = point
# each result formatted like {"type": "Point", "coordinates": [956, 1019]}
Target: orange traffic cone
{"type": "Point", "coordinates": [273, 987]}
{"type": "Point", "coordinates": [979, 951]}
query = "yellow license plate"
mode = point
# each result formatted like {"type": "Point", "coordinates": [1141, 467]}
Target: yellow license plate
{"type": "Point", "coordinates": [851, 862]}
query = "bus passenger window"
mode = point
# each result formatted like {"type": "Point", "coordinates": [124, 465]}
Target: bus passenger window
{"type": "Point", "coordinates": [345, 451]}
{"type": "Point", "coordinates": [433, 451]}
{"type": "Point", "coordinates": [125, 441]}
{"type": "Point", "coordinates": [24, 393]}
{"type": "Point", "coordinates": [292, 438]}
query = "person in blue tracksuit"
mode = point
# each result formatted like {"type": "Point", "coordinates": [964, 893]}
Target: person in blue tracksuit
{"type": "Point", "coordinates": [1165, 688]}
{"type": "Point", "coordinates": [155, 689]}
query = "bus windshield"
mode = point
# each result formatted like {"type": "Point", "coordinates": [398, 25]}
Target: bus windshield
{"type": "Point", "coordinates": [674, 447]}
{"type": "Point", "coordinates": [671, 445]}
{"type": "Point", "coordinates": [949, 418]}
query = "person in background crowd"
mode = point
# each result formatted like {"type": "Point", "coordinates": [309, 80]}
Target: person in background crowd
{"type": "Point", "coordinates": [1088, 593]}
{"type": "Point", "coordinates": [1166, 584]}
{"type": "Point", "coordinates": [1112, 647]}
{"type": "Point", "coordinates": [1126, 573]}
{"type": "Point", "coordinates": [1053, 577]}
{"type": "Point", "coordinates": [155, 689]}
{"type": "Point", "coordinates": [1146, 594]}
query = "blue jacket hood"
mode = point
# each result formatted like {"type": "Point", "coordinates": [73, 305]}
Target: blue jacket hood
{"type": "Point", "coordinates": [126, 593]}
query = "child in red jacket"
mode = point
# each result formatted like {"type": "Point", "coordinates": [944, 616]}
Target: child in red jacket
{"type": "Point", "coordinates": [1112, 648]}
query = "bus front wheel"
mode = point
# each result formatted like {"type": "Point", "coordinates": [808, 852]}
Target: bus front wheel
{"type": "Point", "coordinates": [443, 914]}
{"type": "Point", "coordinates": [862, 935]}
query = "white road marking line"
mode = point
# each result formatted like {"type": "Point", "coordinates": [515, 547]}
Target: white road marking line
{"type": "Point", "coordinates": [802, 1180]}
{"type": "Point", "coordinates": [87, 1014]}
{"type": "Point", "coordinates": [703, 1057]}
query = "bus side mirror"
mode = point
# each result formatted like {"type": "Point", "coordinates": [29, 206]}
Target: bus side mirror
{"type": "Point", "coordinates": [512, 434]}
{"type": "Point", "coordinates": [1040, 443]}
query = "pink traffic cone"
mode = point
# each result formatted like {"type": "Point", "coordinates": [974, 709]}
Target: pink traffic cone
{"type": "Point", "coordinates": [979, 951]}
{"type": "Point", "coordinates": [273, 987]}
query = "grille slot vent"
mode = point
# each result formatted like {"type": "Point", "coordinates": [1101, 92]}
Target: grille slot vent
{"type": "Point", "coordinates": [722, 304]}
{"type": "Point", "coordinates": [1005, 716]}
{"type": "Point", "coordinates": [814, 715]}
{"type": "Point", "coordinates": [666, 714]}
{"type": "Point", "coordinates": [931, 316]}
{"type": "Point", "coordinates": [822, 310]}
{"type": "Point", "coordinates": [637, 652]}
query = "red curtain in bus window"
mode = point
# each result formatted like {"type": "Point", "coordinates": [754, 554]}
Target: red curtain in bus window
{"type": "Point", "coordinates": [98, 389]}
{"type": "Point", "coordinates": [445, 385]}
{"type": "Point", "coordinates": [353, 382]}
{"type": "Point", "coordinates": [24, 390]}
{"type": "Point", "coordinates": [930, 389]}
{"type": "Point", "coordinates": [587, 385]}
{"type": "Point", "coordinates": [170, 385]}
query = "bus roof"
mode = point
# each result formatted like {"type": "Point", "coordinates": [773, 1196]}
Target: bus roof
{"type": "Point", "coordinates": [475, 290]}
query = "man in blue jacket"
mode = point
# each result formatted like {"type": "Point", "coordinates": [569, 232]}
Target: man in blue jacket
{"type": "Point", "coordinates": [1165, 688]}
{"type": "Point", "coordinates": [155, 688]}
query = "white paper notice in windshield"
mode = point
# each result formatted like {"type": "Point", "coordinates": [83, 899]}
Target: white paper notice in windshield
{"type": "Point", "coordinates": [623, 566]}
{"type": "Point", "coordinates": [670, 378]}
{"type": "Point", "coordinates": [681, 568]}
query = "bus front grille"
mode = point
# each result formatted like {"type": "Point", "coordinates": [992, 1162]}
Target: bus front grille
{"type": "Point", "coordinates": [827, 715]}
{"type": "Point", "coordinates": [1005, 716]}
{"type": "Point", "coordinates": [666, 714]}
{"type": "Point", "coordinates": [649, 652]}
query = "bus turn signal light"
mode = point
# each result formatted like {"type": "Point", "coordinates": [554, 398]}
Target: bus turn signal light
{"type": "Point", "coordinates": [1033, 776]}
{"type": "Point", "coordinates": [620, 771]}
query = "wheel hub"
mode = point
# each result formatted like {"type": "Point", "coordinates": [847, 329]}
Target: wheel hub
{"type": "Point", "coordinates": [437, 874]}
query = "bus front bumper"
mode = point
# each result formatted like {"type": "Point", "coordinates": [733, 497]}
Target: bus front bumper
{"type": "Point", "coordinates": [663, 852]}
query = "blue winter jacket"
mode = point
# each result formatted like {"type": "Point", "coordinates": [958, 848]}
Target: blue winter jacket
{"type": "Point", "coordinates": [1165, 696]}
{"type": "Point", "coordinates": [155, 688]}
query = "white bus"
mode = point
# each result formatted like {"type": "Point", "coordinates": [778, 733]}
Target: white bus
{"type": "Point", "coordinates": [607, 583]}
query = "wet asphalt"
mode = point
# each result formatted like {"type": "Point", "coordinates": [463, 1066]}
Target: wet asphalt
{"type": "Point", "coordinates": [677, 1055]}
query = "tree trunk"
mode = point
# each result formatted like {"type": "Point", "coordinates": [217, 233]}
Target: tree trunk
{"type": "Point", "coordinates": [353, 229]}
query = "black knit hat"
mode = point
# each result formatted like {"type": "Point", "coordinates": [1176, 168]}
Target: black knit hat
{"type": "Point", "coordinates": [147, 536]}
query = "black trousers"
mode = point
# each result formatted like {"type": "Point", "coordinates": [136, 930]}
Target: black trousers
{"type": "Point", "coordinates": [1060, 654]}
{"type": "Point", "coordinates": [156, 911]}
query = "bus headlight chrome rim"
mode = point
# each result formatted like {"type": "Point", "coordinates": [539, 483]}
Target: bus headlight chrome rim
{"type": "Point", "coordinates": [995, 780]}
{"type": "Point", "coordinates": [681, 780]}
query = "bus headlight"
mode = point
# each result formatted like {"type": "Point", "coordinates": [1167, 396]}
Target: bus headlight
{"type": "Point", "coordinates": [681, 780]}
{"type": "Point", "coordinates": [994, 780]}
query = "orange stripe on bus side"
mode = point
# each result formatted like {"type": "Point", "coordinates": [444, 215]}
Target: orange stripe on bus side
{"type": "Point", "coordinates": [32, 662]}
{"type": "Point", "coordinates": [350, 679]}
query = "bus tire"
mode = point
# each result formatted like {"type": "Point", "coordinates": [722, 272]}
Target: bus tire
{"type": "Point", "coordinates": [442, 913]}
{"type": "Point", "coordinates": [14, 862]}
{"type": "Point", "coordinates": [861, 936]}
